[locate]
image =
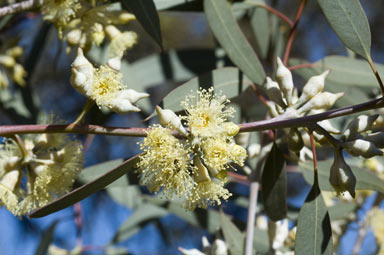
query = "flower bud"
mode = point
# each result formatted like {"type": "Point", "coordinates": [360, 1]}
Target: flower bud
{"type": "Point", "coordinates": [219, 247]}
{"type": "Point", "coordinates": [341, 176]}
{"type": "Point", "coordinates": [10, 179]}
{"type": "Point", "coordinates": [7, 61]}
{"type": "Point", "coordinates": [360, 147]}
{"type": "Point", "coordinates": [361, 124]}
{"type": "Point", "coordinates": [284, 78]}
{"type": "Point", "coordinates": [201, 174]}
{"type": "Point", "coordinates": [231, 129]}
{"type": "Point", "coordinates": [82, 74]}
{"type": "Point", "coordinates": [121, 105]}
{"type": "Point", "coordinates": [4, 82]}
{"type": "Point", "coordinates": [237, 154]}
{"type": "Point", "coordinates": [74, 37]}
{"type": "Point", "coordinates": [376, 138]}
{"type": "Point", "coordinates": [254, 150]}
{"type": "Point", "coordinates": [18, 74]}
{"type": "Point", "coordinates": [11, 162]}
{"type": "Point", "coordinates": [326, 124]}
{"type": "Point", "coordinates": [125, 17]}
{"type": "Point", "coordinates": [114, 63]}
{"type": "Point", "coordinates": [98, 33]}
{"type": "Point", "coordinates": [272, 90]}
{"type": "Point", "coordinates": [168, 117]}
{"type": "Point", "coordinates": [112, 31]}
{"type": "Point", "coordinates": [314, 86]}
{"type": "Point", "coordinates": [15, 52]}
{"type": "Point", "coordinates": [132, 95]}
{"type": "Point", "coordinates": [323, 100]}
{"type": "Point", "coordinates": [295, 141]}
{"type": "Point", "coordinates": [271, 106]}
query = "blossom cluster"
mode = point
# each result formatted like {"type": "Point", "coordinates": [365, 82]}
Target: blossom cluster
{"type": "Point", "coordinates": [36, 170]}
{"type": "Point", "coordinates": [83, 23]}
{"type": "Point", "coordinates": [104, 84]}
{"type": "Point", "coordinates": [195, 166]}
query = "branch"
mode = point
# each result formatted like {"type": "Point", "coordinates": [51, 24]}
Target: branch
{"type": "Point", "coordinates": [19, 7]}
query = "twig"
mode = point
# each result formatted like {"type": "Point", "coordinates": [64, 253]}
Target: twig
{"type": "Point", "coordinates": [254, 191]}
{"type": "Point", "coordinates": [313, 147]}
{"type": "Point", "coordinates": [292, 33]}
{"type": "Point", "coordinates": [372, 65]}
{"type": "Point", "coordinates": [273, 11]}
{"type": "Point", "coordinates": [19, 7]}
{"type": "Point", "coordinates": [335, 143]}
{"type": "Point", "coordinates": [300, 66]}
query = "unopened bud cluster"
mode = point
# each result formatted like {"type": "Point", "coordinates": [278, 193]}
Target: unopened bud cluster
{"type": "Point", "coordinates": [286, 103]}
{"type": "Point", "coordinates": [194, 167]}
{"type": "Point", "coordinates": [104, 84]}
{"type": "Point", "coordinates": [10, 68]}
{"type": "Point", "coordinates": [83, 23]}
{"type": "Point", "coordinates": [33, 176]}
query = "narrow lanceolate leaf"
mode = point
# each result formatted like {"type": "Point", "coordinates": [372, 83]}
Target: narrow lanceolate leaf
{"type": "Point", "coordinates": [314, 233]}
{"type": "Point", "coordinates": [274, 185]}
{"type": "Point", "coordinates": [146, 13]}
{"type": "Point", "coordinates": [350, 23]}
{"type": "Point", "coordinates": [87, 189]}
{"type": "Point", "coordinates": [228, 33]}
{"type": "Point", "coordinates": [228, 80]}
{"type": "Point", "coordinates": [232, 235]}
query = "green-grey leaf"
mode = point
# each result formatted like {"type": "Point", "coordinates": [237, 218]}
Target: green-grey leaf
{"type": "Point", "coordinates": [366, 180]}
{"type": "Point", "coordinates": [344, 71]}
{"type": "Point", "coordinates": [143, 213]}
{"type": "Point", "coordinates": [260, 241]}
{"type": "Point", "coordinates": [340, 210]}
{"type": "Point", "coordinates": [87, 189]}
{"type": "Point", "coordinates": [146, 13]}
{"type": "Point", "coordinates": [90, 173]}
{"type": "Point", "coordinates": [274, 185]}
{"type": "Point", "coordinates": [350, 23]}
{"type": "Point", "coordinates": [129, 196]}
{"type": "Point", "coordinates": [228, 80]}
{"type": "Point", "coordinates": [232, 235]}
{"type": "Point", "coordinates": [261, 27]}
{"type": "Point", "coordinates": [228, 33]}
{"type": "Point", "coordinates": [314, 233]}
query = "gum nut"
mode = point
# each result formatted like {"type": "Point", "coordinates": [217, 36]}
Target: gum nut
{"type": "Point", "coordinates": [133, 96]}
{"type": "Point", "coordinates": [341, 176]}
{"type": "Point", "coordinates": [122, 106]}
{"type": "Point", "coordinates": [326, 124]}
{"type": "Point", "coordinates": [314, 86]}
{"type": "Point", "coordinates": [360, 147]}
{"type": "Point", "coordinates": [284, 78]}
{"type": "Point", "coordinates": [360, 124]}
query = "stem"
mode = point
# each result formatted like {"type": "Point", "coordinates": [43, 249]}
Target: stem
{"type": "Point", "coordinates": [305, 65]}
{"type": "Point", "coordinates": [273, 11]}
{"type": "Point", "coordinates": [372, 65]}
{"type": "Point", "coordinates": [254, 191]}
{"type": "Point", "coordinates": [335, 143]}
{"type": "Point", "coordinates": [21, 145]}
{"type": "Point", "coordinates": [313, 146]}
{"type": "Point", "coordinates": [87, 107]}
{"type": "Point", "coordinates": [292, 33]}
{"type": "Point", "coordinates": [19, 7]}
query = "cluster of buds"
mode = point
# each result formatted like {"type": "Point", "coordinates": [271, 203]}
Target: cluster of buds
{"type": "Point", "coordinates": [194, 167]}
{"type": "Point", "coordinates": [357, 140]}
{"type": "Point", "coordinates": [104, 84]}
{"type": "Point", "coordinates": [10, 68]}
{"type": "Point", "coordinates": [286, 103]}
{"type": "Point", "coordinates": [83, 23]}
{"type": "Point", "coordinates": [36, 170]}
{"type": "Point", "coordinates": [218, 247]}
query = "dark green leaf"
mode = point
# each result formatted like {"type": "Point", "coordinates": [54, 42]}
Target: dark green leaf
{"type": "Point", "coordinates": [228, 33]}
{"type": "Point", "coordinates": [146, 13]}
{"type": "Point", "coordinates": [87, 189]}
{"type": "Point", "coordinates": [350, 23]}
{"type": "Point", "coordinates": [46, 239]}
{"type": "Point", "coordinates": [228, 80]}
{"type": "Point", "coordinates": [274, 185]}
{"type": "Point", "coordinates": [142, 214]}
{"type": "Point", "coordinates": [232, 235]}
{"type": "Point", "coordinates": [314, 233]}
{"type": "Point", "coordinates": [177, 4]}
{"type": "Point", "coordinates": [366, 180]}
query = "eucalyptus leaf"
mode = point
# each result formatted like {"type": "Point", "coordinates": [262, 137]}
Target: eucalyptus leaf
{"type": "Point", "coordinates": [167, 4]}
{"type": "Point", "coordinates": [260, 241]}
{"type": "Point", "coordinates": [274, 185]}
{"type": "Point", "coordinates": [350, 23]}
{"type": "Point", "coordinates": [87, 189]}
{"type": "Point", "coordinates": [132, 225]}
{"type": "Point", "coordinates": [228, 80]}
{"type": "Point", "coordinates": [46, 239]}
{"type": "Point", "coordinates": [90, 173]}
{"type": "Point", "coordinates": [146, 13]}
{"type": "Point", "coordinates": [228, 33]}
{"type": "Point", "coordinates": [261, 27]}
{"type": "Point", "coordinates": [129, 196]}
{"type": "Point", "coordinates": [340, 210]}
{"type": "Point", "coordinates": [233, 236]}
{"type": "Point", "coordinates": [366, 180]}
{"type": "Point", "coordinates": [314, 233]}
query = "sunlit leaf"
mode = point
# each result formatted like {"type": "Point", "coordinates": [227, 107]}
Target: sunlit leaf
{"type": "Point", "coordinates": [350, 23]}
{"type": "Point", "coordinates": [232, 235]}
{"type": "Point", "coordinates": [228, 33]}
{"type": "Point", "coordinates": [274, 185]}
{"type": "Point", "coordinates": [314, 233]}
{"type": "Point", "coordinates": [146, 13]}
{"type": "Point", "coordinates": [86, 190]}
